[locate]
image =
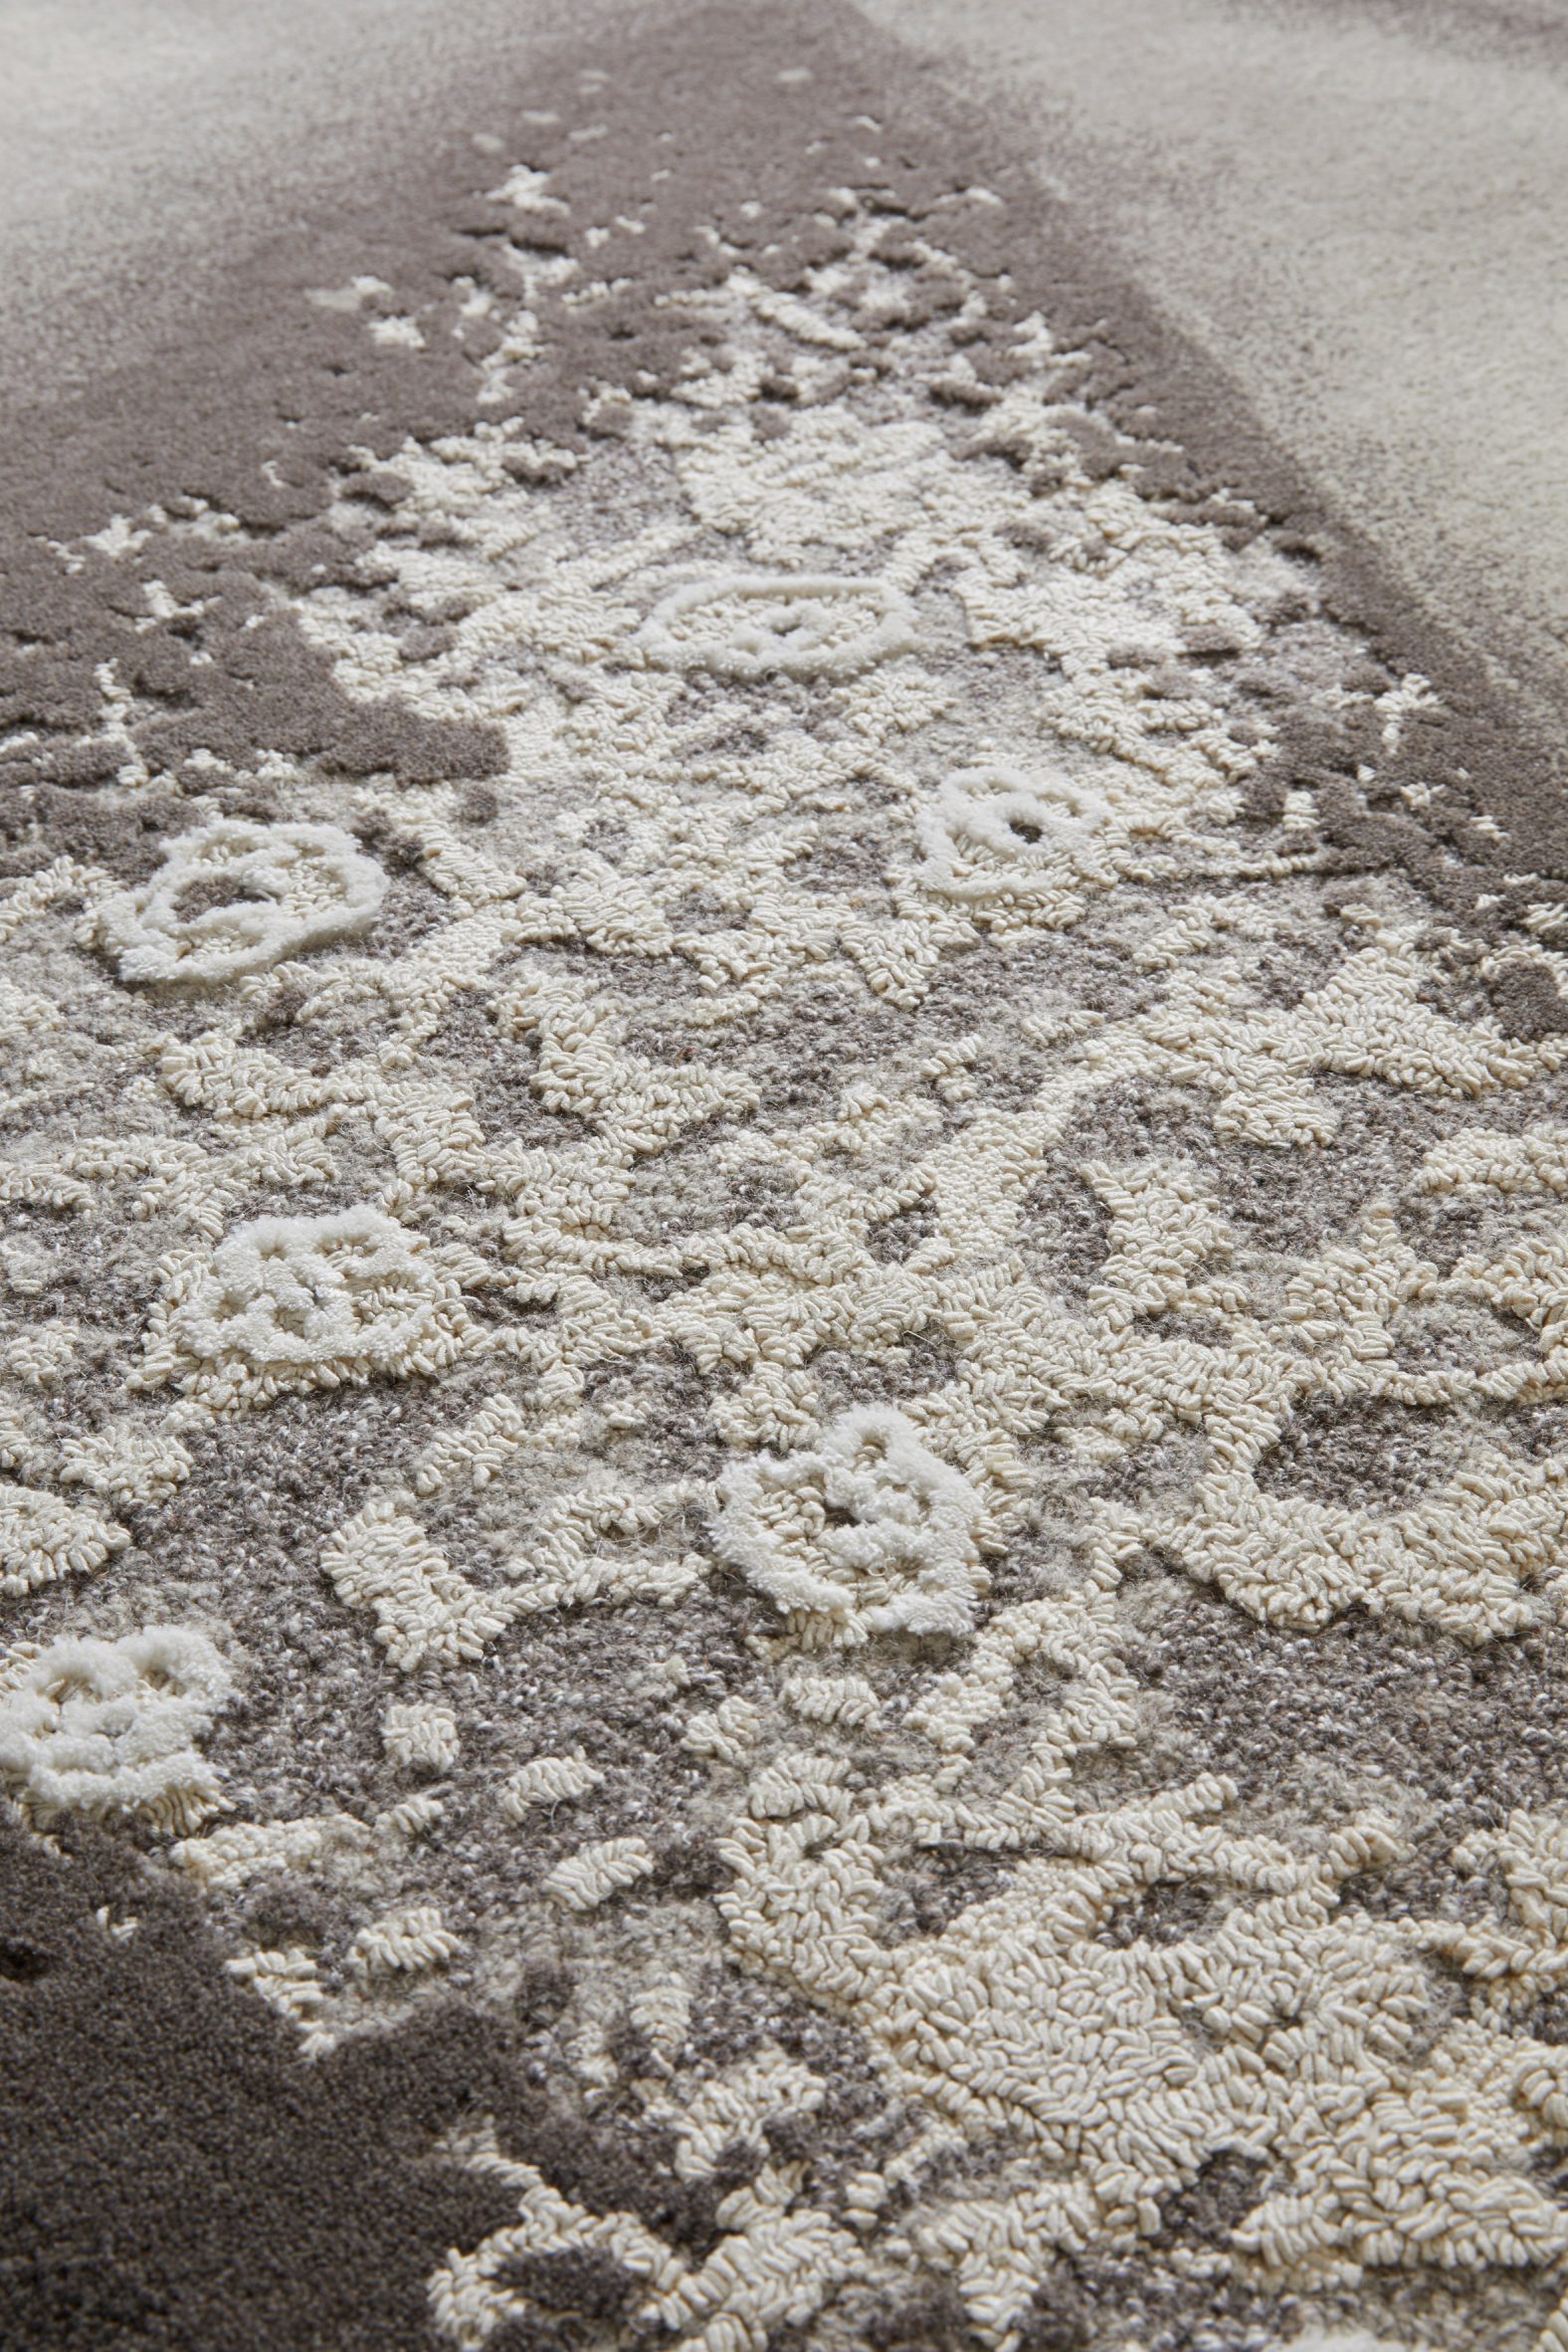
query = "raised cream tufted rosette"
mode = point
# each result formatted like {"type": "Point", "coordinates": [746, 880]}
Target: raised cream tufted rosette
{"type": "Point", "coordinates": [43, 1537]}
{"type": "Point", "coordinates": [236, 897]}
{"type": "Point", "coordinates": [291, 1303]}
{"type": "Point", "coordinates": [866, 1533]}
{"type": "Point", "coordinates": [104, 1727]}
{"type": "Point", "coordinates": [995, 836]}
{"type": "Point", "coordinates": [746, 625]}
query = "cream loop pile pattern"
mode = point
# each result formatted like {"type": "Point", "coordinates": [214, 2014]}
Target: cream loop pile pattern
{"type": "Point", "coordinates": [845, 1391]}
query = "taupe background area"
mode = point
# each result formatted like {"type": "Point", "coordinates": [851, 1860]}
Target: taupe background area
{"type": "Point", "coordinates": [1358, 208]}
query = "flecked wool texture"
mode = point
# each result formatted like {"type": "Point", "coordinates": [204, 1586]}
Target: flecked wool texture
{"type": "Point", "coordinates": [782, 1407]}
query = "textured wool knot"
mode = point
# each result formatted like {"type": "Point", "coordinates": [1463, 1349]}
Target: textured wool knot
{"type": "Point", "coordinates": [286, 1979]}
{"type": "Point", "coordinates": [995, 833]}
{"type": "Point", "coordinates": [42, 1538]}
{"type": "Point", "coordinates": [236, 897]}
{"type": "Point", "coordinates": [315, 1301]}
{"type": "Point", "coordinates": [749, 625]}
{"type": "Point", "coordinates": [1355, 2339]}
{"type": "Point", "coordinates": [110, 1727]}
{"type": "Point", "coordinates": [421, 1732]}
{"type": "Point", "coordinates": [407, 1944]}
{"type": "Point", "coordinates": [596, 1872]}
{"type": "Point", "coordinates": [547, 1780]}
{"type": "Point", "coordinates": [869, 1534]}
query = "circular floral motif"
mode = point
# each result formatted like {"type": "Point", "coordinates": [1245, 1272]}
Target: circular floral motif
{"type": "Point", "coordinates": [312, 1302]}
{"type": "Point", "coordinates": [43, 1537]}
{"type": "Point", "coordinates": [753, 625]}
{"type": "Point", "coordinates": [995, 833]}
{"type": "Point", "coordinates": [867, 1533]}
{"type": "Point", "coordinates": [236, 897]}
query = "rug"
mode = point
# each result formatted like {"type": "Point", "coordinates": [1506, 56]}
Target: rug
{"type": "Point", "coordinates": [784, 1277]}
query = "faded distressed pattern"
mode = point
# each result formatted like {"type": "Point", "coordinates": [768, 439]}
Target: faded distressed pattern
{"type": "Point", "coordinates": [833, 1388]}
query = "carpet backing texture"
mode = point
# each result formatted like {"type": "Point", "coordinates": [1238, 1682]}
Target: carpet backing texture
{"type": "Point", "coordinates": [785, 1447]}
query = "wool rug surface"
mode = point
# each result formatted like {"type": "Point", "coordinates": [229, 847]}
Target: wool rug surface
{"type": "Point", "coordinates": [783, 1275]}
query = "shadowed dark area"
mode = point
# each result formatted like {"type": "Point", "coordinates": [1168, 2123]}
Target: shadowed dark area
{"type": "Point", "coordinates": [172, 2174]}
